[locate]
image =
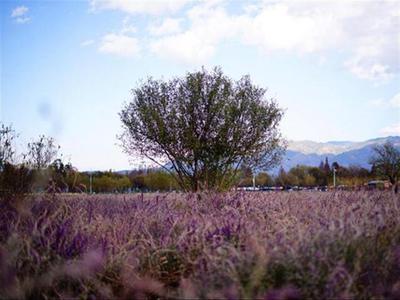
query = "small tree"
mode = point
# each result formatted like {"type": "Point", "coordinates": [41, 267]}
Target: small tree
{"type": "Point", "coordinates": [327, 168]}
{"type": "Point", "coordinates": [14, 179]}
{"type": "Point", "coordinates": [204, 125]}
{"type": "Point", "coordinates": [42, 152]}
{"type": "Point", "coordinates": [63, 175]}
{"type": "Point", "coordinates": [386, 162]}
{"type": "Point", "coordinates": [7, 136]}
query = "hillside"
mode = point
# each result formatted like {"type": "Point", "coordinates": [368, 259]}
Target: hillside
{"type": "Point", "coordinates": [344, 152]}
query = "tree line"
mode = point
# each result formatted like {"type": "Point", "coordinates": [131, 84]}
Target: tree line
{"type": "Point", "coordinates": [309, 176]}
{"type": "Point", "coordinates": [42, 169]}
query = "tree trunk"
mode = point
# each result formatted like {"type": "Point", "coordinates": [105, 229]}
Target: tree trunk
{"type": "Point", "coordinates": [393, 181]}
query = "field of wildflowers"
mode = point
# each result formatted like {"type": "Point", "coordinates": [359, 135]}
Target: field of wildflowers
{"type": "Point", "coordinates": [177, 246]}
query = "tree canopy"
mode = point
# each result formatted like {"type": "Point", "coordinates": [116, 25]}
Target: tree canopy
{"type": "Point", "coordinates": [7, 136]}
{"type": "Point", "coordinates": [386, 162]}
{"type": "Point", "coordinates": [202, 127]}
{"type": "Point", "coordinates": [42, 152]}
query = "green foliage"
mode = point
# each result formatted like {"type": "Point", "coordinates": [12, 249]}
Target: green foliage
{"type": "Point", "coordinates": [109, 183]}
{"type": "Point", "coordinates": [302, 176]}
{"type": "Point", "coordinates": [245, 176]}
{"type": "Point", "coordinates": [286, 179]}
{"type": "Point", "coordinates": [15, 180]}
{"type": "Point", "coordinates": [319, 176]}
{"type": "Point", "coordinates": [312, 176]}
{"type": "Point", "coordinates": [137, 179]}
{"type": "Point", "coordinates": [264, 179]}
{"type": "Point", "coordinates": [160, 181]}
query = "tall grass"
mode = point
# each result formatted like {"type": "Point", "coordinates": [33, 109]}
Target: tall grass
{"type": "Point", "coordinates": [232, 245]}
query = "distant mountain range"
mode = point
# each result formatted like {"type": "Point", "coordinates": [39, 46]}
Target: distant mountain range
{"type": "Point", "coordinates": [344, 153]}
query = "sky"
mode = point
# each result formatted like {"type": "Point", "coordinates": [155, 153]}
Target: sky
{"type": "Point", "coordinates": [67, 67]}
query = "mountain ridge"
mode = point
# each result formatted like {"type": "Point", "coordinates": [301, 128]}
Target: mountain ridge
{"type": "Point", "coordinates": [336, 147]}
{"type": "Point", "coordinates": [345, 153]}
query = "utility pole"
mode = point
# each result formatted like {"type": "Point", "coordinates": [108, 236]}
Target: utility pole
{"type": "Point", "coordinates": [254, 182]}
{"type": "Point", "coordinates": [334, 177]}
{"type": "Point", "coordinates": [90, 182]}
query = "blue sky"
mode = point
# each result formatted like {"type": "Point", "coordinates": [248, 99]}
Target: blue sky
{"type": "Point", "coordinates": [67, 67]}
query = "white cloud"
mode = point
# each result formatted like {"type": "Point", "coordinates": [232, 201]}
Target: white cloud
{"type": "Point", "coordinates": [168, 26]}
{"type": "Point", "coordinates": [393, 129]}
{"type": "Point", "coordinates": [185, 48]}
{"type": "Point", "coordinates": [395, 101]}
{"type": "Point", "coordinates": [22, 20]}
{"type": "Point", "coordinates": [87, 43]}
{"type": "Point", "coordinates": [365, 34]}
{"type": "Point", "coordinates": [364, 31]}
{"type": "Point", "coordinates": [19, 11]}
{"type": "Point", "coordinates": [19, 15]}
{"type": "Point", "coordinates": [369, 70]}
{"type": "Point", "coordinates": [277, 27]}
{"type": "Point", "coordinates": [152, 7]}
{"type": "Point", "coordinates": [120, 45]}
{"type": "Point", "coordinates": [209, 26]}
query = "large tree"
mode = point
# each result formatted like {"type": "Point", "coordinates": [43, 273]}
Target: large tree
{"type": "Point", "coordinates": [386, 162]}
{"type": "Point", "coordinates": [202, 127]}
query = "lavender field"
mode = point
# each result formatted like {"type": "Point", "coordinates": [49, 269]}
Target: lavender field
{"type": "Point", "coordinates": [178, 246]}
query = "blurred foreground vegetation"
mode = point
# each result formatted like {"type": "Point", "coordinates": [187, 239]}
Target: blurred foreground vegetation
{"type": "Point", "coordinates": [227, 246]}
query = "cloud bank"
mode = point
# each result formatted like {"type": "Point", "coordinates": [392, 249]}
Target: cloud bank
{"type": "Point", "coordinates": [364, 34]}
